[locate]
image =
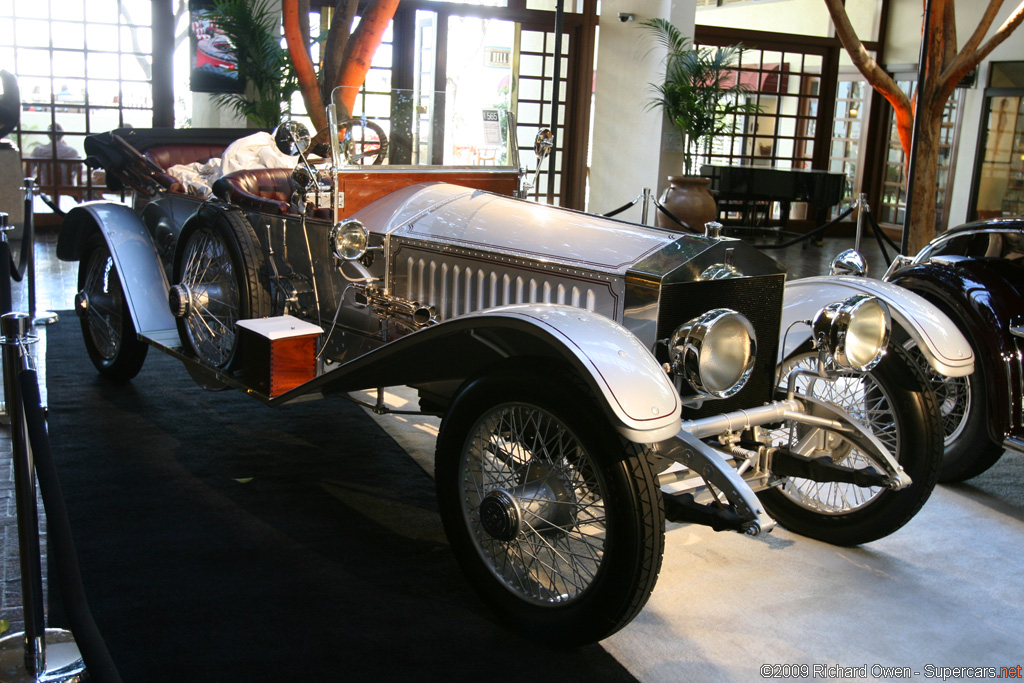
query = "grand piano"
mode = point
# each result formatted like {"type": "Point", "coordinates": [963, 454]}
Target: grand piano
{"type": "Point", "coordinates": [750, 191]}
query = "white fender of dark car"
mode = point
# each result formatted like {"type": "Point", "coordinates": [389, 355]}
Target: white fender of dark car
{"type": "Point", "coordinates": [135, 256]}
{"type": "Point", "coordinates": [943, 345]}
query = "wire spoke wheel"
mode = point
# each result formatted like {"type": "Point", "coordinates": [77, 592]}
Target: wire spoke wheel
{"type": "Point", "coordinates": [107, 327]}
{"type": "Point", "coordinates": [952, 393]}
{"type": "Point", "coordinates": [534, 503]}
{"type": "Point", "coordinates": [865, 400]}
{"type": "Point", "coordinates": [555, 520]}
{"type": "Point", "coordinates": [104, 318]}
{"type": "Point", "coordinates": [963, 407]}
{"type": "Point", "coordinates": [893, 402]}
{"type": "Point", "coordinates": [210, 277]}
{"type": "Point", "coordinates": [220, 268]}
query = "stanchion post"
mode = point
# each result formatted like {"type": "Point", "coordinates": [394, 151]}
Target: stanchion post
{"type": "Point", "coordinates": [647, 201]}
{"type": "Point", "coordinates": [14, 330]}
{"type": "Point", "coordinates": [5, 295]}
{"type": "Point", "coordinates": [38, 317]}
{"type": "Point", "coordinates": [24, 656]}
{"type": "Point", "coordinates": [862, 209]}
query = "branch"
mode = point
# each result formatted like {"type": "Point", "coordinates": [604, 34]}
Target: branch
{"type": "Point", "coordinates": [875, 75]}
{"type": "Point", "coordinates": [361, 47]}
{"type": "Point", "coordinates": [965, 61]}
{"type": "Point", "coordinates": [178, 14]}
{"type": "Point", "coordinates": [983, 26]}
{"type": "Point", "coordinates": [338, 39]}
{"type": "Point", "coordinates": [304, 70]}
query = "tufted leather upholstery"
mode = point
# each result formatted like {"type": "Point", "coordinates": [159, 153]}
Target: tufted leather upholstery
{"type": "Point", "coordinates": [268, 190]}
{"type": "Point", "coordinates": [166, 156]}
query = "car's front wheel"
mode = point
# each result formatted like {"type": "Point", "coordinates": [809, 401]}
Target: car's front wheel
{"type": "Point", "coordinates": [555, 520]}
{"type": "Point", "coordinates": [893, 401]}
{"type": "Point", "coordinates": [963, 407]}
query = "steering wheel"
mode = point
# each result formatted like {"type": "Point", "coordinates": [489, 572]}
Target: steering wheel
{"type": "Point", "coordinates": [362, 139]}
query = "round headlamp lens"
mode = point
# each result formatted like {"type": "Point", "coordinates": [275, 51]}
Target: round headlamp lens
{"type": "Point", "coordinates": [855, 331]}
{"type": "Point", "coordinates": [715, 352]}
{"type": "Point", "coordinates": [349, 240]}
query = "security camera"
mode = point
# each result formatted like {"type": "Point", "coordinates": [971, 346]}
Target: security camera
{"type": "Point", "coordinates": [624, 17]}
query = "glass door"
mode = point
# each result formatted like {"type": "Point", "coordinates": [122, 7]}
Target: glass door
{"type": "Point", "coordinates": [1000, 179]}
{"type": "Point", "coordinates": [997, 188]}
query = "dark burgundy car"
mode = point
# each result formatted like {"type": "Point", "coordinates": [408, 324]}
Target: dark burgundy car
{"type": "Point", "coordinates": [975, 274]}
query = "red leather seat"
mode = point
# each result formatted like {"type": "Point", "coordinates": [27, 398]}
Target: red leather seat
{"type": "Point", "coordinates": [268, 190]}
{"type": "Point", "coordinates": [166, 156]}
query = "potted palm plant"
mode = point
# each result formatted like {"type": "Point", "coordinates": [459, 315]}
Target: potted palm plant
{"type": "Point", "coordinates": [702, 96]}
{"type": "Point", "coordinates": [253, 27]}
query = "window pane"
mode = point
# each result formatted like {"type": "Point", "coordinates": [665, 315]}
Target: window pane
{"type": "Point", "coordinates": [101, 37]}
{"type": "Point", "coordinates": [33, 62]}
{"type": "Point", "coordinates": [137, 39]}
{"type": "Point", "coordinates": [68, 35]}
{"type": "Point", "coordinates": [136, 67]}
{"type": "Point", "coordinates": [68, 64]}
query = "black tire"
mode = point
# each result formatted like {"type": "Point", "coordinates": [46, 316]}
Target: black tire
{"type": "Point", "coordinates": [893, 399]}
{"type": "Point", "coordinates": [564, 574]}
{"type": "Point", "coordinates": [219, 267]}
{"type": "Point", "coordinates": [964, 408]}
{"type": "Point", "coordinates": [107, 328]}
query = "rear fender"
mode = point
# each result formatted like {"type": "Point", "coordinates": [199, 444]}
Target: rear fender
{"type": "Point", "coordinates": [938, 338]}
{"type": "Point", "coordinates": [138, 264]}
{"type": "Point", "coordinates": [628, 382]}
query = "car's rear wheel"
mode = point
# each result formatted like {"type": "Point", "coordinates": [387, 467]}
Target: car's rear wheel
{"type": "Point", "coordinates": [221, 280]}
{"type": "Point", "coordinates": [556, 522]}
{"type": "Point", "coordinates": [895, 404]}
{"type": "Point", "coordinates": [107, 328]}
{"type": "Point", "coordinates": [963, 406]}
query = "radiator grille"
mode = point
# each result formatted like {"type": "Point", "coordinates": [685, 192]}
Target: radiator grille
{"type": "Point", "coordinates": [760, 299]}
{"type": "Point", "coordinates": [456, 286]}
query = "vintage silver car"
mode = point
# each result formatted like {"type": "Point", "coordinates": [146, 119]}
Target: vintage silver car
{"type": "Point", "coordinates": [593, 377]}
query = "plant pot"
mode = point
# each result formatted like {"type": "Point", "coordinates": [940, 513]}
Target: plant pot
{"type": "Point", "coordinates": [689, 199]}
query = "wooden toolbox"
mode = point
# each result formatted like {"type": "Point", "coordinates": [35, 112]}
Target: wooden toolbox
{"type": "Point", "coordinates": [278, 353]}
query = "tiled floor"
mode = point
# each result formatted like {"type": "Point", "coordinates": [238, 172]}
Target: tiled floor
{"type": "Point", "coordinates": [56, 285]}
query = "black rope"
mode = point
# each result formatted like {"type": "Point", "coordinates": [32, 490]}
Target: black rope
{"type": "Point", "coordinates": [879, 237]}
{"type": "Point", "coordinates": [616, 212]}
{"type": "Point", "coordinates": [50, 202]}
{"type": "Point", "coordinates": [810, 235]}
{"type": "Point", "coordinates": [682, 224]}
{"type": "Point", "coordinates": [90, 643]}
{"type": "Point", "coordinates": [6, 302]}
{"type": "Point", "coordinates": [28, 237]}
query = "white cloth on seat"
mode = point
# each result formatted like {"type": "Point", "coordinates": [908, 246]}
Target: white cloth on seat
{"type": "Point", "coordinates": [251, 152]}
{"type": "Point", "coordinates": [255, 151]}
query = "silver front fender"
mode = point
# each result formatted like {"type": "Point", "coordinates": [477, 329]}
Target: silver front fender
{"type": "Point", "coordinates": [626, 375]}
{"type": "Point", "coordinates": [135, 256]}
{"type": "Point", "coordinates": [938, 338]}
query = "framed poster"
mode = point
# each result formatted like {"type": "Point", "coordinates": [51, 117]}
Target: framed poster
{"type": "Point", "coordinates": [214, 65]}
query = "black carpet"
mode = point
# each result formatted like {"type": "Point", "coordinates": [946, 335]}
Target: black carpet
{"type": "Point", "coordinates": [221, 540]}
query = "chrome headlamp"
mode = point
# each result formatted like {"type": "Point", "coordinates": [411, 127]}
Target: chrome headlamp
{"type": "Point", "coordinates": [348, 240]}
{"type": "Point", "coordinates": [854, 331]}
{"type": "Point", "coordinates": [714, 352]}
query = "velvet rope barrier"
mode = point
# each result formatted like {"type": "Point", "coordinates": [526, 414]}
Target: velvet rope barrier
{"type": "Point", "coordinates": [90, 643]}
{"type": "Point", "coordinates": [813, 233]}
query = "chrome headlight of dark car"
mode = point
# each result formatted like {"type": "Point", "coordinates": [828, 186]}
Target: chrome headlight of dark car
{"type": "Point", "coordinates": [714, 352]}
{"type": "Point", "coordinates": [854, 331]}
{"type": "Point", "coordinates": [348, 240]}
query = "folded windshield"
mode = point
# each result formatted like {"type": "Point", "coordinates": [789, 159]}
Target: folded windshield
{"type": "Point", "coordinates": [420, 128]}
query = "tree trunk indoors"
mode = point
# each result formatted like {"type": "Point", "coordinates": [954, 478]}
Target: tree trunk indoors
{"type": "Point", "coordinates": [945, 67]}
